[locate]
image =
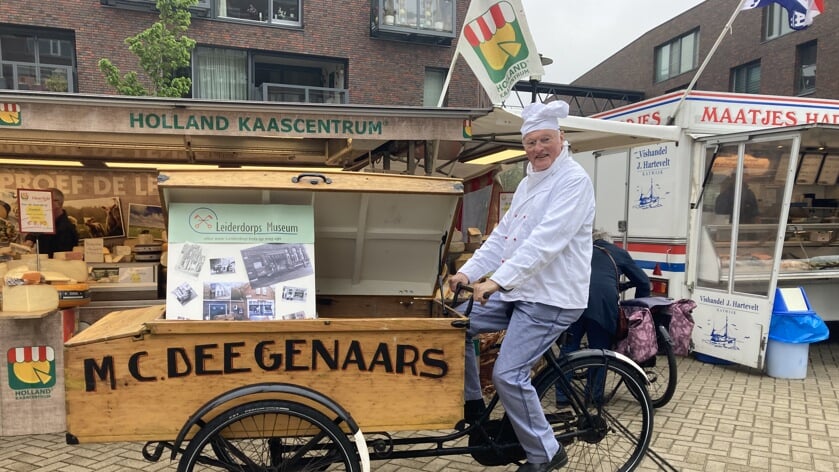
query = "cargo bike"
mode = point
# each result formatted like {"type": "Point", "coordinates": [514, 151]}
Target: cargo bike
{"type": "Point", "coordinates": [385, 355]}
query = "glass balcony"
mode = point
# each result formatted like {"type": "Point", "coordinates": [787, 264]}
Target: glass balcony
{"type": "Point", "coordinates": [302, 94]}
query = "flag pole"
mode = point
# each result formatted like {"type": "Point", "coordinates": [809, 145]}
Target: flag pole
{"type": "Point", "coordinates": [726, 29]}
{"type": "Point", "coordinates": [448, 78]}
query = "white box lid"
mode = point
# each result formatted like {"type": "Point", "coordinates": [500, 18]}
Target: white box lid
{"type": "Point", "coordinates": [375, 234]}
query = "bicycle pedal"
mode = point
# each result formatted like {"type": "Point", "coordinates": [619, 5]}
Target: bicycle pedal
{"type": "Point", "coordinates": [561, 417]}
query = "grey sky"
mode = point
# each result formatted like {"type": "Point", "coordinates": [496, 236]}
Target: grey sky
{"type": "Point", "coordinates": [578, 35]}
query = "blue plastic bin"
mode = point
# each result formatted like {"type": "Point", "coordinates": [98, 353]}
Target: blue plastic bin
{"type": "Point", "coordinates": [791, 331]}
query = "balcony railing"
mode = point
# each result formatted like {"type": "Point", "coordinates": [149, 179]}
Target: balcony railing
{"type": "Point", "coordinates": [302, 94]}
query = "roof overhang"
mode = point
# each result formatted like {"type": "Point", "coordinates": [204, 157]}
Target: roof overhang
{"type": "Point", "coordinates": [95, 129]}
{"type": "Point", "coordinates": [500, 129]}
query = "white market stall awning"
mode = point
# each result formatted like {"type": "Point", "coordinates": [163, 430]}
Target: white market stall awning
{"type": "Point", "coordinates": [500, 129]}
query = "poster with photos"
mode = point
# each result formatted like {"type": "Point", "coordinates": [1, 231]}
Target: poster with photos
{"type": "Point", "coordinates": [240, 262]}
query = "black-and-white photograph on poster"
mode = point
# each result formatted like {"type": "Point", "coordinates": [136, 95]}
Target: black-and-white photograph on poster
{"type": "Point", "coordinates": [270, 264]}
{"type": "Point", "coordinates": [294, 294]}
{"type": "Point", "coordinates": [191, 259]}
{"type": "Point", "coordinates": [184, 293]}
{"type": "Point", "coordinates": [222, 265]}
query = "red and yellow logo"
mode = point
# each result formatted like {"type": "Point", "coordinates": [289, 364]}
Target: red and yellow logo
{"type": "Point", "coordinates": [9, 114]}
{"type": "Point", "coordinates": [497, 39]}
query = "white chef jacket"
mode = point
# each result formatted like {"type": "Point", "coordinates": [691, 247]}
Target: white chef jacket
{"type": "Point", "coordinates": [541, 249]}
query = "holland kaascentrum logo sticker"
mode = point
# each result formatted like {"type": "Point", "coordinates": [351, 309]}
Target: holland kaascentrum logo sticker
{"type": "Point", "coordinates": [497, 39]}
{"type": "Point", "coordinates": [31, 369]}
{"type": "Point", "coordinates": [9, 114]}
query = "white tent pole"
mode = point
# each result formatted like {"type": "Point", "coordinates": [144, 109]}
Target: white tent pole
{"type": "Point", "coordinates": [727, 28]}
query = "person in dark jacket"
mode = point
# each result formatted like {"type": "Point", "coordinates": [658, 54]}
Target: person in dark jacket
{"type": "Point", "coordinates": [65, 238]}
{"type": "Point", "coordinates": [599, 321]}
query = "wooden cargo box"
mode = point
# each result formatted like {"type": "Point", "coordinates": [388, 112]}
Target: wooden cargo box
{"type": "Point", "coordinates": [380, 345]}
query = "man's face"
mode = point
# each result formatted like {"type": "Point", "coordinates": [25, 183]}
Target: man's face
{"type": "Point", "coordinates": [542, 147]}
{"type": "Point", "coordinates": [57, 206]}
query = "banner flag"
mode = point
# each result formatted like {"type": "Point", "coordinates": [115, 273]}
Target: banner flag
{"type": "Point", "coordinates": [497, 45]}
{"type": "Point", "coordinates": [801, 12]}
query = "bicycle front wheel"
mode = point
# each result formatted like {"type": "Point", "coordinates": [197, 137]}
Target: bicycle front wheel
{"type": "Point", "coordinates": [270, 435]}
{"type": "Point", "coordinates": [611, 431]}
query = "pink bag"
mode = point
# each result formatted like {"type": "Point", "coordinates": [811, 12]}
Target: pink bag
{"type": "Point", "coordinates": [640, 343]}
{"type": "Point", "coordinates": [681, 326]}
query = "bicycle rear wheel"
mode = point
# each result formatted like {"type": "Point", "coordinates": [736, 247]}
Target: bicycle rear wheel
{"type": "Point", "coordinates": [615, 433]}
{"type": "Point", "coordinates": [661, 370]}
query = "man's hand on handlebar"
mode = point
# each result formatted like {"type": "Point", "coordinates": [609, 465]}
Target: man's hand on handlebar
{"type": "Point", "coordinates": [457, 279]}
{"type": "Point", "coordinates": [482, 290]}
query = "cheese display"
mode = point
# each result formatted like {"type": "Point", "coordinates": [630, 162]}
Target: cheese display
{"type": "Point", "coordinates": [40, 297]}
{"type": "Point", "coordinates": [28, 290]}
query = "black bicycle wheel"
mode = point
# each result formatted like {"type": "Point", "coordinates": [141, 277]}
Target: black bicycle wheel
{"type": "Point", "coordinates": [609, 432]}
{"type": "Point", "coordinates": [270, 435]}
{"type": "Point", "coordinates": [661, 370]}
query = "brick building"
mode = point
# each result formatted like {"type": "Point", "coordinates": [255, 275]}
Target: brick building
{"type": "Point", "coordinates": [273, 50]}
{"type": "Point", "coordinates": [761, 54]}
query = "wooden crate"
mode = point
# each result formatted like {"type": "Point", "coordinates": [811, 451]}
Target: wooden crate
{"type": "Point", "coordinates": [379, 346]}
{"type": "Point", "coordinates": [133, 376]}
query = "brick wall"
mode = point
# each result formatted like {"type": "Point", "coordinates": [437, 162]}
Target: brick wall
{"type": "Point", "coordinates": [380, 72]}
{"type": "Point", "coordinates": [631, 68]}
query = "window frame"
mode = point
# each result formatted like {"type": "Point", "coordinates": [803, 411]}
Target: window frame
{"type": "Point", "coordinates": [674, 50]}
{"type": "Point", "coordinates": [747, 70]}
{"type": "Point", "coordinates": [262, 16]}
{"type": "Point", "coordinates": [43, 70]}
{"type": "Point", "coordinates": [802, 63]}
{"type": "Point", "coordinates": [775, 22]}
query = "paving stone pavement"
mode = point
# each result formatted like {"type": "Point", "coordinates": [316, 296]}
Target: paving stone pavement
{"type": "Point", "coordinates": [722, 419]}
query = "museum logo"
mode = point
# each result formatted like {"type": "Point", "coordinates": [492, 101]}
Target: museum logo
{"type": "Point", "coordinates": [203, 219]}
{"type": "Point", "coordinates": [31, 371]}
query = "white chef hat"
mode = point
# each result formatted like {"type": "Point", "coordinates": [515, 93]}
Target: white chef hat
{"type": "Point", "coordinates": [538, 116]}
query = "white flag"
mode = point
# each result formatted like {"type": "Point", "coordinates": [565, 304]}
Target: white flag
{"type": "Point", "coordinates": [497, 45]}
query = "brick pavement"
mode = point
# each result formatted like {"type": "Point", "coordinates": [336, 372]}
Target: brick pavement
{"type": "Point", "coordinates": [722, 418]}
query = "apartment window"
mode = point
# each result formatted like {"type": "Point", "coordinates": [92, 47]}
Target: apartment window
{"type": "Point", "coordinates": [775, 21]}
{"type": "Point", "coordinates": [286, 12]}
{"type": "Point", "coordinates": [433, 86]}
{"type": "Point", "coordinates": [427, 21]}
{"type": "Point", "coordinates": [37, 60]}
{"type": "Point", "coordinates": [677, 56]}
{"type": "Point", "coordinates": [201, 9]}
{"type": "Point", "coordinates": [806, 73]}
{"type": "Point", "coordinates": [220, 74]}
{"type": "Point", "coordinates": [746, 78]}
{"type": "Point", "coordinates": [232, 74]}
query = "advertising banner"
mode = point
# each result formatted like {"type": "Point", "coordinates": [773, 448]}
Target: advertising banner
{"type": "Point", "coordinates": [240, 262]}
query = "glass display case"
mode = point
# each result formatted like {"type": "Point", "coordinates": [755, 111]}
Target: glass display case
{"type": "Point", "coordinates": [810, 251]}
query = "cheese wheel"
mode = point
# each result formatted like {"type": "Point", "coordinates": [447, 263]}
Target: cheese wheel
{"type": "Point", "coordinates": [30, 298]}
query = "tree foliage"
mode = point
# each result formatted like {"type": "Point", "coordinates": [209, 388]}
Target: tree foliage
{"type": "Point", "coordinates": [163, 50]}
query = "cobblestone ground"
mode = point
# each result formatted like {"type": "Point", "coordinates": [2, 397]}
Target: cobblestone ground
{"type": "Point", "coordinates": [722, 418]}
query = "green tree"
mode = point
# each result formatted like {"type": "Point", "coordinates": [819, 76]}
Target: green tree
{"type": "Point", "coordinates": [163, 50]}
